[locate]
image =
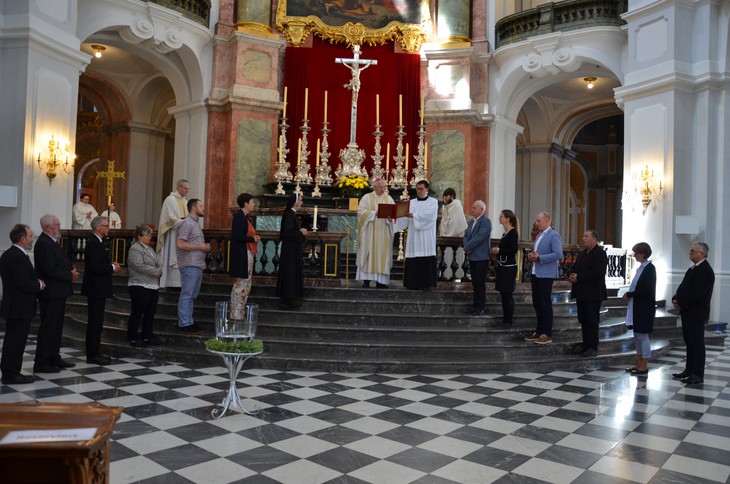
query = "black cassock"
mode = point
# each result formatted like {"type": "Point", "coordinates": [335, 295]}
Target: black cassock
{"type": "Point", "coordinates": [290, 283]}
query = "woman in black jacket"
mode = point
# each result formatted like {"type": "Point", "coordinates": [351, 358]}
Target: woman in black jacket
{"type": "Point", "coordinates": [642, 306]}
{"type": "Point", "coordinates": [244, 245]}
{"type": "Point", "coordinates": [506, 269]}
{"type": "Point", "coordinates": [290, 283]}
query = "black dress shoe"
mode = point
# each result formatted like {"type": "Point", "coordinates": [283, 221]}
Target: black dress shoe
{"type": "Point", "coordinates": [366, 284]}
{"type": "Point", "coordinates": [192, 329]}
{"type": "Point", "coordinates": [679, 376]}
{"type": "Point", "coordinates": [45, 368]}
{"type": "Point", "coordinates": [99, 360]}
{"type": "Point", "coordinates": [17, 379]}
{"type": "Point", "coordinates": [692, 380]}
{"type": "Point", "coordinates": [63, 364]}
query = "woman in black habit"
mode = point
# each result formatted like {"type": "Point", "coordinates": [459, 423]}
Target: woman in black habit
{"type": "Point", "coordinates": [290, 283]}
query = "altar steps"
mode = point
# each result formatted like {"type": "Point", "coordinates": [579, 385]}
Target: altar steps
{"type": "Point", "coordinates": [393, 330]}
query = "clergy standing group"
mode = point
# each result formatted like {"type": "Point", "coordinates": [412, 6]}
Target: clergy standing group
{"type": "Point", "coordinates": [375, 239]}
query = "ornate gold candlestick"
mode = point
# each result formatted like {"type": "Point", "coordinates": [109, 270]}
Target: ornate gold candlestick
{"type": "Point", "coordinates": [419, 172]}
{"type": "Point", "coordinates": [302, 175]}
{"type": "Point", "coordinates": [282, 166]}
{"type": "Point", "coordinates": [377, 171]}
{"type": "Point", "coordinates": [322, 176]}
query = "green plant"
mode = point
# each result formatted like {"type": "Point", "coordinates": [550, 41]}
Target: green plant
{"type": "Point", "coordinates": [253, 346]}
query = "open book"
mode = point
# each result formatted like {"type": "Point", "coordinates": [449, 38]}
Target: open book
{"type": "Point", "coordinates": [387, 210]}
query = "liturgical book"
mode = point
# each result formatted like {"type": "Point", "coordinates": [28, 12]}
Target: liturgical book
{"type": "Point", "coordinates": [387, 210]}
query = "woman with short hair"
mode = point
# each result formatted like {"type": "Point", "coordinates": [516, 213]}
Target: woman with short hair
{"type": "Point", "coordinates": [144, 284]}
{"type": "Point", "coordinates": [642, 307]}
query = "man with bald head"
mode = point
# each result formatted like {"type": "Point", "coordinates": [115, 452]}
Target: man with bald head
{"type": "Point", "coordinates": [374, 238]}
{"type": "Point", "coordinates": [477, 249]}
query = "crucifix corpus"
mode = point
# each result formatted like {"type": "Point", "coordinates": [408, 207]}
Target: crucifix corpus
{"type": "Point", "coordinates": [110, 175]}
{"type": "Point", "coordinates": [352, 157]}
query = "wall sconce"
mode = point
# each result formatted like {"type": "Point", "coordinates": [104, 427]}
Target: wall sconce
{"type": "Point", "coordinates": [98, 49]}
{"type": "Point", "coordinates": [54, 163]}
{"type": "Point", "coordinates": [647, 186]}
{"type": "Point", "coordinates": [590, 81]}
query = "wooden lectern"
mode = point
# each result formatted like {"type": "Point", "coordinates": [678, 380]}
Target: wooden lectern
{"type": "Point", "coordinates": [85, 461]}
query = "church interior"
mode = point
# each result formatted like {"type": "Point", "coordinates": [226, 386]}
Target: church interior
{"type": "Point", "coordinates": [609, 115]}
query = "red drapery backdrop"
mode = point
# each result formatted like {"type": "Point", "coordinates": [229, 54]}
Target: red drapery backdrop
{"type": "Point", "coordinates": [315, 68]}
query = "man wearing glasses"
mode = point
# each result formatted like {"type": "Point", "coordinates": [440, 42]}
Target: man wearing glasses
{"type": "Point", "coordinates": [693, 302]}
{"type": "Point", "coordinates": [97, 286]}
{"type": "Point", "coordinates": [174, 210]}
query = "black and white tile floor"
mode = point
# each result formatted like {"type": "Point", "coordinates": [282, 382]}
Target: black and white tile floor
{"type": "Point", "coordinates": [596, 427]}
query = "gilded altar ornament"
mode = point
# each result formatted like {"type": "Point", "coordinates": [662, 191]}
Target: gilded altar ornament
{"type": "Point", "coordinates": [297, 29]}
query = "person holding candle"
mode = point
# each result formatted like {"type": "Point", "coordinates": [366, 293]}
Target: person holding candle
{"type": "Point", "coordinates": [374, 238]}
{"type": "Point", "coordinates": [244, 245]}
{"type": "Point", "coordinates": [420, 266]}
{"type": "Point", "coordinates": [290, 282]}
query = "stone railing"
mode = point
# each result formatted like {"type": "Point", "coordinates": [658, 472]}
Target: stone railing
{"type": "Point", "coordinates": [321, 251]}
{"type": "Point", "coordinates": [197, 10]}
{"type": "Point", "coordinates": [560, 16]}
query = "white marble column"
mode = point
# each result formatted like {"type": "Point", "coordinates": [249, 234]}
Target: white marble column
{"type": "Point", "coordinates": [502, 170]}
{"type": "Point", "coordinates": [191, 127]}
{"type": "Point", "coordinates": [145, 174]}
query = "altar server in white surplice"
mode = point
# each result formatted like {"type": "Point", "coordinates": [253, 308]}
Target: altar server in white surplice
{"type": "Point", "coordinates": [174, 210]}
{"type": "Point", "coordinates": [374, 238]}
{"type": "Point", "coordinates": [420, 265]}
{"type": "Point", "coordinates": [83, 213]}
{"type": "Point", "coordinates": [453, 221]}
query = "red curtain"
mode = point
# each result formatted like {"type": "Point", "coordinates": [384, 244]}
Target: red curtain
{"type": "Point", "coordinates": [315, 68]}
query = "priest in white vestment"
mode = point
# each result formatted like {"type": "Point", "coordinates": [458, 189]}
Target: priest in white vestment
{"type": "Point", "coordinates": [420, 266]}
{"type": "Point", "coordinates": [115, 221]}
{"type": "Point", "coordinates": [374, 238]}
{"type": "Point", "coordinates": [453, 221]}
{"type": "Point", "coordinates": [83, 213]}
{"type": "Point", "coordinates": [174, 210]}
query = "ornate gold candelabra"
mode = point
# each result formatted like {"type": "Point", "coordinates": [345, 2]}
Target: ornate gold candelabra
{"type": "Point", "coordinates": [399, 178]}
{"type": "Point", "coordinates": [322, 176]}
{"type": "Point", "coordinates": [377, 171]}
{"type": "Point", "coordinates": [282, 166]}
{"type": "Point", "coordinates": [302, 175]}
{"type": "Point", "coordinates": [419, 172]}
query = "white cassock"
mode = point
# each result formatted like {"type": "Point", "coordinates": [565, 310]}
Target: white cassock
{"type": "Point", "coordinates": [174, 209]}
{"type": "Point", "coordinates": [115, 221]}
{"type": "Point", "coordinates": [453, 221]}
{"type": "Point", "coordinates": [421, 228]}
{"type": "Point", "coordinates": [374, 240]}
{"type": "Point", "coordinates": [80, 219]}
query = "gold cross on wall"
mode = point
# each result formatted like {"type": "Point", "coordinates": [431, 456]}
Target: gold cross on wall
{"type": "Point", "coordinates": [110, 175]}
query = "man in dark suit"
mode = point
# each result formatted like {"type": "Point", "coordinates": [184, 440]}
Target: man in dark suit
{"type": "Point", "coordinates": [588, 276]}
{"type": "Point", "coordinates": [476, 247]}
{"type": "Point", "coordinates": [20, 288]}
{"type": "Point", "coordinates": [54, 267]}
{"type": "Point", "coordinates": [97, 286]}
{"type": "Point", "coordinates": [693, 302]}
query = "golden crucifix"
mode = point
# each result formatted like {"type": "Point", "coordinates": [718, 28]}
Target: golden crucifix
{"type": "Point", "coordinates": [110, 175]}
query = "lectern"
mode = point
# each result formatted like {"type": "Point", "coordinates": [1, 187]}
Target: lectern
{"type": "Point", "coordinates": [35, 457]}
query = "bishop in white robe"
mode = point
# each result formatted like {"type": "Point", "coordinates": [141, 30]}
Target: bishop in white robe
{"type": "Point", "coordinates": [420, 265]}
{"type": "Point", "coordinates": [374, 238]}
{"type": "Point", "coordinates": [174, 210]}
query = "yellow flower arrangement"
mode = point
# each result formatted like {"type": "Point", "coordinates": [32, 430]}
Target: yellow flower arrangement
{"type": "Point", "coordinates": [353, 185]}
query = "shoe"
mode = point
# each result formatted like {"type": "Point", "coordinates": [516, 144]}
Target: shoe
{"type": "Point", "coordinates": [63, 364]}
{"type": "Point", "coordinates": [478, 312]}
{"type": "Point", "coordinates": [636, 371]}
{"type": "Point", "coordinates": [17, 379]}
{"type": "Point", "coordinates": [45, 368]}
{"type": "Point", "coordinates": [679, 376]}
{"type": "Point", "coordinates": [578, 349]}
{"type": "Point", "coordinates": [543, 339]}
{"type": "Point", "coordinates": [381, 286]}
{"type": "Point", "coordinates": [192, 329]}
{"type": "Point", "coordinates": [98, 360]}
{"type": "Point", "coordinates": [366, 284]}
{"type": "Point", "coordinates": [152, 341]}
{"type": "Point", "coordinates": [692, 380]}
{"type": "Point", "coordinates": [589, 353]}
{"type": "Point", "coordinates": [532, 337]}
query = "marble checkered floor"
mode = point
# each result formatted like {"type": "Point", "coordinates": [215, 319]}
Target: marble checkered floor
{"type": "Point", "coordinates": [596, 427]}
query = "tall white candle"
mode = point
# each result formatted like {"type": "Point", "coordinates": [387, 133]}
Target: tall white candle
{"type": "Point", "coordinates": [400, 109]}
{"type": "Point", "coordinates": [387, 159]}
{"type": "Point", "coordinates": [377, 109]}
{"type": "Point", "coordinates": [284, 114]}
{"type": "Point", "coordinates": [315, 218]}
{"type": "Point", "coordinates": [306, 101]}
{"type": "Point", "coordinates": [299, 152]}
{"type": "Point", "coordinates": [425, 157]}
{"type": "Point", "coordinates": [325, 107]}
{"type": "Point", "coordinates": [407, 148]}
{"type": "Point", "coordinates": [281, 148]}
{"type": "Point", "coordinates": [318, 140]}
{"type": "Point", "coordinates": [422, 111]}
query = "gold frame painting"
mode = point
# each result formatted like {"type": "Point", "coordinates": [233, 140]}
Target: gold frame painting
{"type": "Point", "coordinates": [354, 22]}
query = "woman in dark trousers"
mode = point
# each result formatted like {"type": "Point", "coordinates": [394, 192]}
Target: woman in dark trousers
{"type": "Point", "coordinates": [290, 283]}
{"type": "Point", "coordinates": [642, 307]}
{"type": "Point", "coordinates": [506, 268]}
{"type": "Point", "coordinates": [144, 284]}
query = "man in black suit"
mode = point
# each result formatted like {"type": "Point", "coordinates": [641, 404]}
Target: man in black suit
{"type": "Point", "coordinates": [97, 286]}
{"type": "Point", "coordinates": [588, 276]}
{"type": "Point", "coordinates": [693, 302]}
{"type": "Point", "coordinates": [54, 267]}
{"type": "Point", "coordinates": [20, 288]}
